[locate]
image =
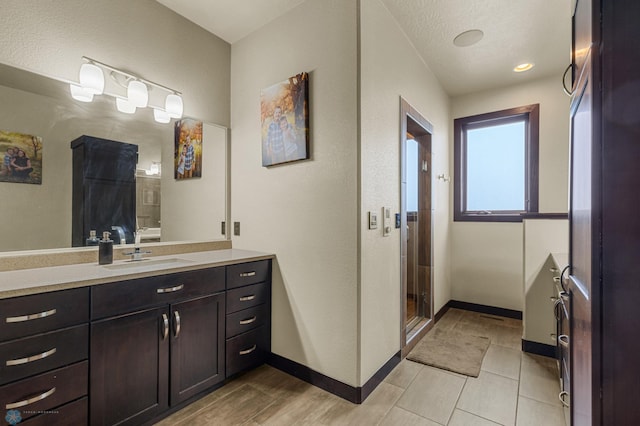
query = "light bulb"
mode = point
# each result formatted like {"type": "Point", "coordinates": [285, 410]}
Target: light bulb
{"type": "Point", "coordinates": [125, 106]}
{"type": "Point", "coordinates": [81, 94]}
{"type": "Point", "coordinates": [92, 78]}
{"type": "Point", "coordinates": [137, 93]}
{"type": "Point", "coordinates": [173, 106]}
{"type": "Point", "coordinates": [160, 116]}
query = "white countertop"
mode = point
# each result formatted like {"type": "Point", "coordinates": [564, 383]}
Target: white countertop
{"type": "Point", "coordinates": [40, 280]}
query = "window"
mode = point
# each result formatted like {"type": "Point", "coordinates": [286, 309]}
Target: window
{"type": "Point", "coordinates": [496, 165]}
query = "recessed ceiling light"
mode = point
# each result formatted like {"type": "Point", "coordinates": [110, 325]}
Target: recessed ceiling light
{"type": "Point", "coordinates": [468, 38]}
{"type": "Point", "coordinates": [523, 67]}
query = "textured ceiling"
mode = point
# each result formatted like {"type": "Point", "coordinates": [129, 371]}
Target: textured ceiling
{"type": "Point", "coordinates": [231, 20]}
{"type": "Point", "coordinates": [515, 31]}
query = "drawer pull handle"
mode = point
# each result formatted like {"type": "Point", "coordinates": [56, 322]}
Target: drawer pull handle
{"type": "Point", "coordinates": [561, 395]}
{"type": "Point", "coordinates": [248, 351]}
{"type": "Point", "coordinates": [176, 317]}
{"type": "Point", "coordinates": [248, 320]}
{"type": "Point", "coordinates": [247, 298]}
{"type": "Point", "coordinates": [170, 289]}
{"type": "Point", "coordinates": [554, 270]}
{"type": "Point", "coordinates": [30, 400]}
{"type": "Point", "coordinates": [556, 279]}
{"type": "Point", "coordinates": [564, 296]}
{"type": "Point", "coordinates": [556, 309]}
{"type": "Point", "coordinates": [31, 358]}
{"type": "Point", "coordinates": [563, 339]}
{"type": "Point", "coordinates": [165, 326]}
{"type": "Point", "coordinates": [31, 316]}
{"type": "Point", "coordinates": [248, 274]}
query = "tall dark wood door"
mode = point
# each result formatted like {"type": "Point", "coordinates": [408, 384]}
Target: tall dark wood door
{"type": "Point", "coordinates": [580, 286]}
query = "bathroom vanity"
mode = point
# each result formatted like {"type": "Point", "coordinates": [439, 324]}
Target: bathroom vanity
{"type": "Point", "coordinates": [129, 343]}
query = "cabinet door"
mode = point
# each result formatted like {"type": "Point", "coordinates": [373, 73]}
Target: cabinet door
{"type": "Point", "coordinates": [197, 346]}
{"type": "Point", "coordinates": [129, 364]}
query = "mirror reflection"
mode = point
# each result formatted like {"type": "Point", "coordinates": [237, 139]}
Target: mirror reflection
{"type": "Point", "coordinates": [37, 205]}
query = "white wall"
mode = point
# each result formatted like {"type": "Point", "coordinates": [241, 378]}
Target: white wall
{"type": "Point", "coordinates": [541, 237]}
{"type": "Point", "coordinates": [305, 212]}
{"type": "Point", "coordinates": [486, 263]}
{"type": "Point", "coordinates": [390, 68]}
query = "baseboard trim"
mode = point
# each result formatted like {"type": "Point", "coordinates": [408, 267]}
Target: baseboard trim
{"type": "Point", "coordinates": [538, 348]}
{"type": "Point", "coordinates": [352, 394]}
{"type": "Point", "coordinates": [441, 312]}
{"type": "Point", "coordinates": [485, 309]}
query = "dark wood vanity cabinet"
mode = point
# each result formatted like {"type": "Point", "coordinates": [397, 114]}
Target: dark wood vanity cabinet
{"type": "Point", "coordinates": [248, 322]}
{"type": "Point", "coordinates": [146, 360]}
{"type": "Point", "coordinates": [157, 342]}
{"type": "Point", "coordinates": [104, 188]}
{"type": "Point", "coordinates": [44, 342]}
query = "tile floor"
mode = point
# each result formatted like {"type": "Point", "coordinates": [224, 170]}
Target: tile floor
{"type": "Point", "coordinates": [513, 388]}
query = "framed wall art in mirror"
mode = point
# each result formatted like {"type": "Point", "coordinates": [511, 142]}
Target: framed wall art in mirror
{"type": "Point", "coordinates": [21, 158]}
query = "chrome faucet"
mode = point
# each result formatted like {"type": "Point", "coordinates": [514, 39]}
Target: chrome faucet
{"type": "Point", "coordinates": [138, 235]}
{"type": "Point", "coordinates": [120, 231]}
{"type": "Point", "coordinates": [137, 253]}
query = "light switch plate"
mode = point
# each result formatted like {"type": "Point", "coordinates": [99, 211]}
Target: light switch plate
{"type": "Point", "coordinates": [236, 228]}
{"type": "Point", "coordinates": [373, 220]}
{"type": "Point", "coordinates": [386, 221]}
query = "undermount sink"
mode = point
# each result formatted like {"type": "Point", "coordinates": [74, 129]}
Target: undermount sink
{"type": "Point", "coordinates": [148, 263]}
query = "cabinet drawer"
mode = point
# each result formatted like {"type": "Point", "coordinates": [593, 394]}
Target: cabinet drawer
{"type": "Point", "coordinates": [247, 297]}
{"type": "Point", "coordinates": [73, 413]}
{"type": "Point", "coordinates": [133, 295]}
{"type": "Point", "coordinates": [31, 355]}
{"type": "Point", "coordinates": [46, 391]}
{"type": "Point", "coordinates": [247, 350]}
{"type": "Point", "coordinates": [247, 273]}
{"type": "Point", "coordinates": [245, 320]}
{"type": "Point", "coordinates": [27, 315]}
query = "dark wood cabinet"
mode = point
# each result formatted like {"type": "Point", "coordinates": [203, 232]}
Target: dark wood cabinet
{"type": "Point", "coordinates": [129, 367]}
{"type": "Point", "coordinates": [604, 232]}
{"type": "Point", "coordinates": [44, 341]}
{"type": "Point", "coordinates": [168, 347]}
{"type": "Point", "coordinates": [104, 188]}
{"type": "Point", "coordinates": [197, 346]}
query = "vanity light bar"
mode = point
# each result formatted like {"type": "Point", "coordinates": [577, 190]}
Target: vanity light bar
{"type": "Point", "coordinates": [92, 83]}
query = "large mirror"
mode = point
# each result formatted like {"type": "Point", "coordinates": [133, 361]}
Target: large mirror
{"type": "Point", "coordinates": [39, 215]}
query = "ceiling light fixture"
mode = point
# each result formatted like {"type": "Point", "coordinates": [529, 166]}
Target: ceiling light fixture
{"type": "Point", "coordinates": [526, 66]}
{"type": "Point", "coordinates": [81, 94]}
{"type": "Point", "coordinates": [92, 83]}
{"type": "Point", "coordinates": [468, 38]}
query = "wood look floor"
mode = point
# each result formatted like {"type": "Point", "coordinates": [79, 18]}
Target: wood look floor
{"type": "Point", "coordinates": [513, 388]}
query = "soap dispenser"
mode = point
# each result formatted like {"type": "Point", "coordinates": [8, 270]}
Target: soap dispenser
{"type": "Point", "coordinates": [93, 239]}
{"type": "Point", "coordinates": [105, 249]}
